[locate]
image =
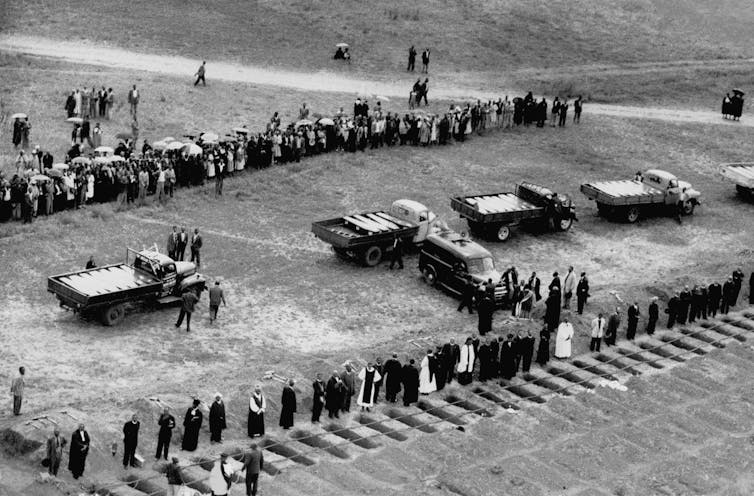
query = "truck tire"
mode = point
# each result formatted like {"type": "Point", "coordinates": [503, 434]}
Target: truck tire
{"type": "Point", "coordinates": [688, 207]}
{"type": "Point", "coordinates": [502, 233]}
{"type": "Point", "coordinates": [430, 275]}
{"type": "Point", "coordinates": [564, 224]}
{"type": "Point", "coordinates": [372, 256]}
{"type": "Point", "coordinates": [113, 315]}
{"type": "Point", "coordinates": [632, 214]}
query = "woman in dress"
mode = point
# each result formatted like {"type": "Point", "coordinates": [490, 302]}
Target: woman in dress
{"type": "Point", "coordinates": [427, 381]}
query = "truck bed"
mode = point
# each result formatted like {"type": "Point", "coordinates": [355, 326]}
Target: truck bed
{"type": "Point", "coordinates": [102, 285]}
{"type": "Point", "coordinates": [495, 207]}
{"type": "Point", "coordinates": [741, 174]}
{"type": "Point", "coordinates": [362, 229]}
{"type": "Point", "coordinates": [626, 192]}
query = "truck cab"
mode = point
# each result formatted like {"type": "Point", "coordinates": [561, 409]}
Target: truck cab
{"type": "Point", "coordinates": [175, 276]}
{"type": "Point", "coordinates": [416, 213]}
{"type": "Point", "coordinates": [675, 191]}
{"type": "Point", "coordinates": [447, 258]}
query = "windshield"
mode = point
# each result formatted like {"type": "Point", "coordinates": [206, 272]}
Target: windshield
{"type": "Point", "coordinates": [481, 265]}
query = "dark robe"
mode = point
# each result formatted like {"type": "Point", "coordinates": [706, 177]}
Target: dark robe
{"type": "Point", "coordinates": [527, 352]}
{"type": "Point", "coordinates": [653, 313]}
{"type": "Point", "coordinates": [255, 422]}
{"type": "Point", "coordinates": [714, 294]}
{"type": "Point", "coordinates": [410, 375]}
{"type": "Point", "coordinates": [392, 379]}
{"type": "Point", "coordinates": [77, 455]}
{"type": "Point", "coordinates": [192, 422]}
{"type": "Point", "coordinates": [611, 331]}
{"type": "Point", "coordinates": [287, 407]}
{"type": "Point", "coordinates": [485, 362]}
{"type": "Point", "coordinates": [334, 395]}
{"type": "Point", "coordinates": [451, 354]}
{"type": "Point", "coordinates": [683, 306]}
{"type": "Point", "coordinates": [508, 359]}
{"type": "Point", "coordinates": [318, 399]}
{"type": "Point", "coordinates": [441, 373]}
{"type": "Point", "coordinates": [633, 321]}
{"type": "Point", "coordinates": [672, 311]}
{"type": "Point", "coordinates": [543, 350]}
{"type": "Point", "coordinates": [552, 312]}
{"type": "Point", "coordinates": [485, 308]}
{"type": "Point", "coordinates": [380, 368]}
{"type": "Point", "coordinates": [217, 420]}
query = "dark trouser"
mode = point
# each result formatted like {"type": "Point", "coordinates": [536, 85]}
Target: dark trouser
{"type": "Point", "coordinates": [180, 252]}
{"type": "Point", "coordinates": [724, 306]}
{"type": "Point", "coordinates": [713, 307]}
{"type": "Point", "coordinates": [346, 403]}
{"type": "Point", "coordinates": [594, 344]}
{"type": "Point", "coordinates": [216, 436]}
{"type": "Point", "coordinates": [129, 451]}
{"type": "Point", "coordinates": [466, 303]}
{"type": "Point", "coordinates": [251, 484]}
{"type": "Point", "coordinates": [195, 256]}
{"type": "Point", "coordinates": [17, 405]}
{"type": "Point", "coordinates": [163, 443]}
{"type": "Point", "coordinates": [651, 326]}
{"type": "Point", "coordinates": [631, 330]}
{"type": "Point", "coordinates": [683, 315]}
{"type": "Point", "coordinates": [200, 78]}
{"type": "Point", "coordinates": [213, 312]}
{"type": "Point", "coordinates": [526, 362]}
{"type": "Point", "coordinates": [54, 466]}
{"type": "Point", "coordinates": [396, 258]}
{"type": "Point", "coordinates": [180, 319]}
{"type": "Point", "coordinates": [693, 313]}
{"type": "Point", "coordinates": [671, 320]}
{"type": "Point", "coordinates": [316, 411]}
{"type": "Point", "coordinates": [581, 301]}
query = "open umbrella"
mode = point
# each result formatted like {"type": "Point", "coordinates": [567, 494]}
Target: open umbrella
{"type": "Point", "coordinates": [159, 145]}
{"type": "Point", "coordinates": [19, 116]}
{"type": "Point", "coordinates": [168, 139]}
{"type": "Point", "coordinates": [738, 92]}
{"type": "Point", "coordinates": [241, 130]}
{"type": "Point", "coordinates": [192, 149]}
{"type": "Point", "coordinates": [40, 178]}
{"type": "Point", "coordinates": [304, 122]}
{"type": "Point", "coordinates": [116, 158]}
{"type": "Point", "coordinates": [104, 149]}
{"type": "Point", "coordinates": [209, 137]}
{"type": "Point", "coordinates": [326, 121]}
{"type": "Point", "coordinates": [126, 135]}
{"type": "Point", "coordinates": [61, 167]}
{"type": "Point", "coordinates": [81, 160]}
{"type": "Point", "coordinates": [101, 160]}
{"type": "Point", "coordinates": [341, 45]}
{"type": "Point", "coordinates": [55, 172]}
{"type": "Point", "coordinates": [383, 98]}
{"type": "Point", "coordinates": [175, 145]}
{"type": "Point", "coordinates": [75, 120]}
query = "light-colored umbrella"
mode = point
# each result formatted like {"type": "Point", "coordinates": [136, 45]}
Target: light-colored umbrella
{"type": "Point", "coordinates": [104, 149]}
{"type": "Point", "coordinates": [241, 130]}
{"type": "Point", "coordinates": [192, 149]}
{"type": "Point", "coordinates": [19, 115]}
{"type": "Point", "coordinates": [342, 45]}
{"type": "Point", "coordinates": [383, 98]}
{"type": "Point", "coordinates": [159, 145]}
{"type": "Point", "coordinates": [75, 120]}
{"type": "Point", "coordinates": [175, 145]}
{"type": "Point", "coordinates": [126, 135]}
{"type": "Point", "coordinates": [81, 160]}
{"type": "Point", "coordinates": [209, 137]}
{"type": "Point", "coordinates": [304, 122]}
{"type": "Point", "coordinates": [55, 172]}
{"type": "Point", "coordinates": [40, 178]}
{"type": "Point", "coordinates": [326, 121]}
{"type": "Point", "coordinates": [116, 158]}
{"type": "Point", "coordinates": [101, 160]}
{"type": "Point", "coordinates": [60, 166]}
{"type": "Point", "coordinates": [168, 139]}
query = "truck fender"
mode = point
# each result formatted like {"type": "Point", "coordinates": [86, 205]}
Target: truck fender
{"type": "Point", "coordinates": [193, 281]}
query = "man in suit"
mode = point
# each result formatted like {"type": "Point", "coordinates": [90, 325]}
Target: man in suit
{"type": "Point", "coordinates": [598, 330]}
{"type": "Point", "coordinates": [411, 59]}
{"type": "Point", "coordinates": [133, 101]}
{"type": "Point", "coordinates": [582, 292]}
{"type": "Point", "coordinates": [253, 463]}
{"type": "Point", "coordinates": [167, 424]}
{"type": "Point", "coordinates": [613, 323]}
{"type": "Point", "coordinates": [130, 441]}
{"type": "Point", "coordinates": [188, 303]}
{"type": "Point", "coordinates": [173, 243]}
{"type": "Point", "coordinates": [714, 294]}
{"type": "Point", "coordinates": [216, 296]}
{"type": "Point", "coordinates": [318, 397]}
{"type": "Point", "coordinates": [569, 285]}
{"type": "Point", "coordinates": [196, 245]}
{"type": "Point", "coordinates": [17, 390]}
{"type": "Point", "coordinates": [633, 321]}
{"type": "Point", "coordinates": [55, 444]}
{"type": "Point", "coordinates": [180, 248]}
{"type": "Point", "coordinates": [79, 449]}
{"type": "Point", "coordinates": [217, 419]}
{"type": "Point", "coordinates": [729, 295]}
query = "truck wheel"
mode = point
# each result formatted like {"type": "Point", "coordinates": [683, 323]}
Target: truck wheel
{"type": "Point", "coordinates": [113, 315]}
{"type": "Point", "coordinates": [503, 233]}
{"type": "Point", "coordinates": [632, 214]}
{"type": "Point", "coordinates": [372, 256]}
{"type": "Point", "coordinates": [688, 207]}
{"type": "Point", "coordinates": [430, 275]}
{"type": "Point", "coordinates": [564, 224]}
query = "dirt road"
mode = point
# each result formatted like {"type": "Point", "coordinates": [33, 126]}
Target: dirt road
{"type": "Point", "coordinates": [84, 53]}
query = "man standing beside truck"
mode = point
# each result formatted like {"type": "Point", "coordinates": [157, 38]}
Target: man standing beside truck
{"type": "Point", "coordinates": [188, 303]}
{"type": "Point", "coordinates": [396, 256]}
{"type": "Point", "coordinates": [173, 243]}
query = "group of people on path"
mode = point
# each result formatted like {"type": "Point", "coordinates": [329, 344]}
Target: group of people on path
{"type": "Point", "coordinates": [733, 106]}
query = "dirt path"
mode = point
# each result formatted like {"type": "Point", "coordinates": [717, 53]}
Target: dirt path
{"type": "Point", "coordinates": [84, 53]}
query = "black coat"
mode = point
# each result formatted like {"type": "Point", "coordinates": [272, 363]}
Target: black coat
{"type": "Point", "coordinates": [287, 407]}
{"type": "Point", "coordinates": [394, 377]}
{"type": "Point", "coordinates": [410, 384]}
{"type": "Point", "coordinates": [217, 417]}
{"type": "Point", "coordinates": [131, 433]}
{"type": "Point", "coordinates": [653, 312]}
{"type": "Point", "coordinates": [334, 393]}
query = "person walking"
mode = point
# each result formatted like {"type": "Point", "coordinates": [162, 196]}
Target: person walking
{"type": "Point", "coordinates": [133, 102]}
{"type": "Point", "coordinates": [167, 424]}
{"type": "Point", "coordinates": [55, 445]}
{"type": "Point", "coordinates": [653, 314]}
{"type": "Point", "coordinates": [188, 304]}
{"type": "Point", "coordinates": [217, 419]}
{"type": "Point", "coordinates": [287, 405]}
{"type": "Point", "coordinates": [17, 390]}
{"type": "Point", "coordinates": [633, 321]}
{"type": "Point", "coordinates": [79, 449]}
{"type": "Point", "coordinates": [425, 61]}
{"type": "Point", "coordinates": [318, 397]}
{"type": "Point", "coordinates": [196, 246]}
{"type": "Point", "coordinates": [396, 256]}
{"type": "Point", "coordinates": [130, 441]}
{"type": "Point", "coordinates": [216, 296]}
{"type": "Point", "coordinates": [582, 293]}
{"type": "Point", "coordinates": [200, 74]}
{"type": "Point", "coordinates": [598, 331]}
{"type": "Point", "coordinates": [173, 474]}
{"type": "Point", "coordinates": [253, 463]}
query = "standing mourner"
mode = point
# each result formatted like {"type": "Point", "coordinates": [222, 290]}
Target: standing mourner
{"type": "Point", "coordinates": [410, 377]}
{"type": "Point", "coordinates": [582, 292]}
{"type": "Point", "coordinates": [411, 59]}
{"type": "Point", "coordinates": [287, 405]}
{"type": "Point", "coordinates": [729, 290]}
{"type": "Point", "coordinates": [192, 422]}
{"type": "Point", "coordinates": [257, 407]}
{"type": "Point", "coordinates": [613, 323]}
{"type": "Point", "coordinates": [348, 376]}
{"type": "Point", "coordinates": [130, 441]}
{"type": "Point", "coordinates": [392, 378]}
{"type": "Point", "coordinates": [133, 102]}
{"type": "Point", "coordinates": [543, 349]}
{"type": "Point", "coordinates": [569, 285]}
{"type": "Point", "coordinates": [216, 296]}
{"type": "Point", "coordinates": [165, 434]}
{"type": "Point", "coordinates": [188, 303]}
{"type": "Point", "coordinates": [598, 331]}
{"type": "Point", "coordinates": [217, 419]}
{"type": "Point", "coordinates": [318, 397]}
{"type": "Point", "coordinates": [196, 246]}
{"type": "Point", "coordinates": [653, 314]}
{"type": "Point", "coordinates": [79, 449]}
{"type": "Point", "coordinates": [563, 340]}
{"type": "Point", "coordinates": [633, 321]}
{"type": "Point", "coordinates": [427, 381]}
{"type": "Point", "coordinates": [527, 351]}
{"type": "Point", "coordinates": [368, 376]}
{"type": "Point", "coordinates": [672, 309]}
{"type": "Point", "coordinates": [578, 105]}
{"type": "Point", "coordinates": [465, 365]}
{"type": "Point", "coordinates": [714, 295]}
{"type": "Point", "coordinates": [55, 445]}
{"type": "Point", "coordinates": [17, 390]}
{"type": "Point", "coordinates": [173, 243]}
{"type": "Point", "coordinates": [334, 395]}
{"type": "Point", "coordinates": [738, 278]}
{"type": "Point", "coordinates": [253, 463]}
